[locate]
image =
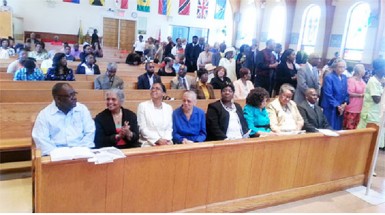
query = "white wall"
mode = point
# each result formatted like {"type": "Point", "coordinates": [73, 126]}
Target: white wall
{"type": "Point", "coordinates": [64, 18]}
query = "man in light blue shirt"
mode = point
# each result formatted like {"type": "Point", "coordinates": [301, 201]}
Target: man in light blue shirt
{"type": "Point", "coordinates": [64, 122]}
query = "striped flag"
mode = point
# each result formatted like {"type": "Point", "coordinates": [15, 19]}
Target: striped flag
{"type": "Point", "coordinates": [184, 7]}
{"type": "Point", "coordinates": [143, 5]}
{"type": "Point", "coordinates": [72, 1]}
{"type": "Point", "coordinates": [122, 4]}
{"type": "Point", "coordinates": [203, 7]}
{"type": "Point", "coordinates": [220, 8]}
{"type": "Point", "coordinates": [164, 7]}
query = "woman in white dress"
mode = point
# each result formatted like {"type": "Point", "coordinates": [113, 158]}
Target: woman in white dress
{"type": "Point", "coordinates": [155, 119]}
{"type": "Point", "coordinates": [229, 63]}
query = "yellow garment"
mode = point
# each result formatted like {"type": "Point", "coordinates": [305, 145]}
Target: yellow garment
{"type": "Point", "coordinates": [205, 90]}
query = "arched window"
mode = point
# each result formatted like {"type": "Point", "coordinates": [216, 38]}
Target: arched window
{"type": "Point", "coordinates": [355, 33]}
{"type": "Point", "coordinates": [309, 30]}
{"type": "Point", "coordinates": [277, 24]}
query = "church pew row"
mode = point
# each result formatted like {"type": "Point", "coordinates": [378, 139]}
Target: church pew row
{"type": "Point", "coordinates": [122, 67]}
{"type": "Point", "coordinates": [15, 118]}
{"type": "Point", "coordinates": [45, 95]}
{"type": "Point", "coordinates": [218, 176]}
{"type": "Point", "coordinates": [126, 78]}
{"type": "Point", "coordinates": [130, 82]}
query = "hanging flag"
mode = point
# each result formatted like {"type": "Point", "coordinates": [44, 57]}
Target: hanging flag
{"type": "Point", "coordinates": [122, 4]}
{"type": "Point", "coordinates": [97, 2]}
{"type": "Point", "coordinates": [184, 7]}
{"type": "Point", "coordinates": [144, 5]}
{"type": "Point", "coordinates": [203, 7]}
{"type": "Point", "coordinates": [164, 7]}
{"type": "Point", "coordinates": [80, 34]}
{"type": "Point", "coordinates": [72, 1]}
{"type": "Point", "coordinates": [220, 8]}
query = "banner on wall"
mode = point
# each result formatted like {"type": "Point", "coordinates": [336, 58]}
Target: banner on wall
{"type": "Point", "coordinates": [220, 9]}
{"type": "Point", "coordinates": [80, 34]}
{"type": "Point", "coordinates": [97, 2]}
{"type": "Point", "coordinates": [203, 7]}
{"type": "Point", "coordinates": [184, 7]}
{"type": "Point", "coordinates": [72, 1]}
{"type": "Point", "coordinates": [164, 7]}
{"type": "Point", "coordinates": [122, 4]}
{"type": "Point", "coordinates": [143, 5]}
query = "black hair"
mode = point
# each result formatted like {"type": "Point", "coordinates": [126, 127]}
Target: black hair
{"type": "Point", "coordinates": [56, 62]}
{"type": "Point", "coordinates": [287, 53]}
{"type": "Point", "coordinates": [201, 72]}
{"type": "Point", "coordinates": [228, 85]}
{"type": "Point", "coordinates": [256, 96]}
{"type": "Point", "coordinates": [57, 87]}
{"type": "Point", "coordinates": [29, 65]}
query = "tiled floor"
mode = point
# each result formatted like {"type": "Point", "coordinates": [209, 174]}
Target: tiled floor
{"type": "Point", "coordinates": [16, 196]}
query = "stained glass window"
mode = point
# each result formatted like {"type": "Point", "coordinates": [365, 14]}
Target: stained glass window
{"type": "Point", "coordinates": [357, 27]}
{"type": "Point", "coordinates": [310, 24]}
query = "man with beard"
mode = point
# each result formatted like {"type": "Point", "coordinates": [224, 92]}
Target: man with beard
{"type": "Point", "coordinates": [146, 80]}
{"type": "Point", "coordinates": [63, 123]}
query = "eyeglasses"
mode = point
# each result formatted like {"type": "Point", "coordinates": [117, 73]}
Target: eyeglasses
{"type": "Point", "coordinates": [71, 95]}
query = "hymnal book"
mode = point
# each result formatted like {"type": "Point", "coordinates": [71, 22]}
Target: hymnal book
{"type": "Point", "coordinates": [106, 155]}
{"type": "Point", "coordinates": [67, 153]}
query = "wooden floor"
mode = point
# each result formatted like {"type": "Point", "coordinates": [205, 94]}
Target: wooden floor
{"type": "Point", "coordinates": [16, 196]}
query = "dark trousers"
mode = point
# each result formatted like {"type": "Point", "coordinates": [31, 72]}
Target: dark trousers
{"type": "Point", "coordinates": [265, 82]}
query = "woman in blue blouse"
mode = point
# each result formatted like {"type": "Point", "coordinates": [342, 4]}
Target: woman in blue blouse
{"type": "Point", "coordinates": [255, 112]}
{"type": "Point", "coordinates": [59, 70]}
{"type": "Point", "coordinates": [189, 121]}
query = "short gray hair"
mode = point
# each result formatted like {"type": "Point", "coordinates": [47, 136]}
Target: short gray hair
{"type": "Point", "coordinates": [119, 93]}
{"type": "Point", "coordinates": [192, 94]}
{"type": "Point", "coordinates": [112, 65]}
{"type": "Point", "coordinates": [357, 68]}
{"type": "Point", "coordinates": [286, 87]}
{"type": "Point", "coordinates": [336, 61]}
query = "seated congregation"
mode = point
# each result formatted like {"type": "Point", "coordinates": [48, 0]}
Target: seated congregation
{"type": "Point", "coordinates": [294, 84]}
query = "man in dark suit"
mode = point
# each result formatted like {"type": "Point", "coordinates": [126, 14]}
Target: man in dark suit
{"type": "Point", "coordinates": [307, 77]}
{"type": "Point", "coordinates": [146, 80]}
{"type": "Point", "coordinates": [312, 113]}
{"type": "Point", "coordinates": [192, 53]}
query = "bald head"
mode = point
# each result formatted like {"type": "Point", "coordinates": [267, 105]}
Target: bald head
{"type": "Point", "coordinates": [314, 59]}
{"type": "Point", "coordinates": [311, 95]}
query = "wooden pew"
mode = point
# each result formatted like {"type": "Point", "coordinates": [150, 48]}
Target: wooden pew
{"type": "Point", "coordinates": [43, 85]}
{"type": "Point", "coordinates": [222, 176]}
{"type": "Point", "coordinates": [40, 95]}
{"type": "Point", "coordinates": [32, 85]}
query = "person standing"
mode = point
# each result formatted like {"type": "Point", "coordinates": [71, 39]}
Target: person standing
{"type": "Point", "coordinates": [356, 89]}
{"type": "Point", "coordinates": [307, 77]}
{"type": "Point", "coordinates": [335, 95]}
{"type": "Point", "coordinates": [192, 53]}
{"type": "Point", "coordinates": [95, 37]}
{"type": "Point", "coordinates": [266, 64]}
{"type": "Point", "coordinates": [372, 97]}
